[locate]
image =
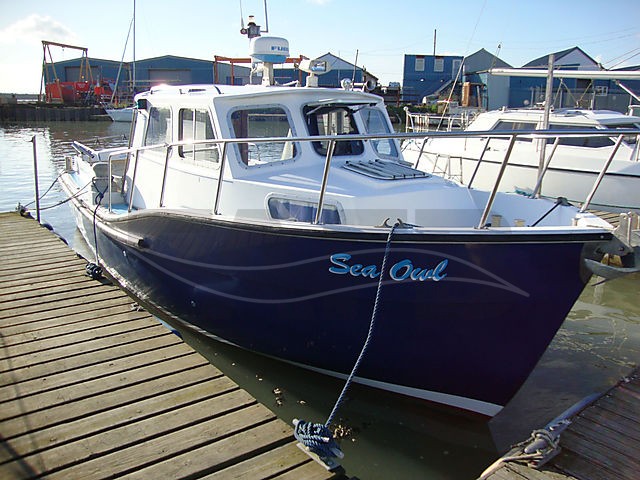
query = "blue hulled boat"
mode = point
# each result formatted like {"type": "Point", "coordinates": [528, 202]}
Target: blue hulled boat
{"type": "Point", "coordinates": [260, 215]}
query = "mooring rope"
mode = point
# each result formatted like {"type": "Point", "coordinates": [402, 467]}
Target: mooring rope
{"type": "Point", "coordinates": [316, 436]}
{"type": "Point", "coordinates": [94, 270]}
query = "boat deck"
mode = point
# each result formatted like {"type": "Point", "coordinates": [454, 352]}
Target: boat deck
{"type": "Point", "coordinates": [93, 388]}
{"type": "Point", "coordinates": [601, 443]}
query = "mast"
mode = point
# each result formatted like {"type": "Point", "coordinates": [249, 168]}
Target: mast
{"type": "Point", "coordinates": [134, 49]}
{"type": "Point", "coordinates": [545, 118]}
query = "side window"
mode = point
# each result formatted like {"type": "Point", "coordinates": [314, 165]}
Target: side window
{"type": "Point", "coordinates": [375, 122]}
{"type": "Point", "coordinates": [590, 142]}
{"type": "Point", "coordinates": [333, 120]}
{"type": "Point", "coordinates": [158, 126]}
{"type": "Point", "coordinates": [263, 122]}
{"type": "Point", "coordinates": [506, 125]}
{"type": "Point", "coordinates": [195, 125]}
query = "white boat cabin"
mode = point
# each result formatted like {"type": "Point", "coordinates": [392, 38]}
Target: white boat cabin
{"type": "Point", "coordinates": [281, 180]}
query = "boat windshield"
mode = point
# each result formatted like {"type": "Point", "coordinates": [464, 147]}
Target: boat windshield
{"type": "Point", "coordinates": [375, 122]}
{"type": "Point", "coordinates": [334, 119]}
{"type": "Point", "coordinates": [263, 122]}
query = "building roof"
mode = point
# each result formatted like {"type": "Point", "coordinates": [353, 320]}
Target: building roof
{"type": "Point", "coordinates": [483, 60]}
{"type": "Point", "coordinates": [337, 63]}
{"type": "Point", "coordinates": [544, 61]}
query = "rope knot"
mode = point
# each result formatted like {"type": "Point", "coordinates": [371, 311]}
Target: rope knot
{"type": "Point", "coordinates": [94, 271]}
{"type": "Point", "coordinates": [317, 438]}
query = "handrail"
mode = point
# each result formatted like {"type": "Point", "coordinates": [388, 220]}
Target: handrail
{"type": "Point", "coordinates": [133, 181]}
{"type": "Point", "coordinates": [325, 178]}
{"type": "Point", "coordinates": [164, 174]}
{"type": "Point", "coordinates": [333, 139]}
{"type": "Point", "coordinates": [605, 167]}
{"type": "Point", "coordinates": [494, 191]}
{"type": "Point", "coordinates": [216, 206]}
{"type": "Point", "coordinates": [545, 168]}
{"type": "Point", "coordinates": [475, 170]}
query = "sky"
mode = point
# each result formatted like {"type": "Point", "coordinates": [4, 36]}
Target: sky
{"type": "Point", "coordinates": [377, 33]}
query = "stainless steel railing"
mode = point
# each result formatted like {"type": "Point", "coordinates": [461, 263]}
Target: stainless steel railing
{"type": "Point", "coordinates": [512, 136]}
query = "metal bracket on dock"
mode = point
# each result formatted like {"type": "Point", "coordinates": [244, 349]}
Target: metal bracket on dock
{"type": "Point", "coordinates": [328, 463]}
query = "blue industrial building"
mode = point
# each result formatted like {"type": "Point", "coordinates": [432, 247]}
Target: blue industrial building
{"type": "Point", "coordinates": [427, 78]}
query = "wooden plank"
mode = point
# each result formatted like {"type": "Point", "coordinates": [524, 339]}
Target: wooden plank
{"type": "Point", "coordinates": [34, 281]}
{"type": "Point", "coordinates": [80, 335]}
{"type": "Point", "coordinates": [606, 437]}
{"type": "Point", "coordinates": [521, 471]}
{"type": "Point", "coordinates": [42, 385]}
{"type": "Point", "coordinates": [104, 300]}
{"type": "Point", "coordinates": [93, 388]}
{"type": "Point", "coordinates": [266, 465]}
{"type": "Point", "coordinates": [308, 471]}
{"type": "Point", "coordinates": [140, 342]}
{"type": "Point", "coordinates": [47, 301]}
{"type": "Point", "coordinates": [40, 289]}
{"type": "Point", "coordinates": [81, 321]}
{"type": "Point", "coordinates": [36, 264]}
{"type": "Point", "coordinates": [612, 420]}
{"type": "Point", "coordinates": [60, 307]}
{"type": "Point", "coordinates": [131, 435]}
{"type": "Point", "coordinates": [598, 458]}
{"type": "Point", "coordinates": [77, 266]}
{"type": "Point", "coordinates": [76, 408]}
{"type": "Point", "coordinates": [583, 468]}
{"type": "Point", "coordinates": [137, 410]}
{"type": "Point", "coordinates": [50, 359]}
{"type": "Point", "coordinates": [230, 435]}
{"type": "Point", "coordinates": [14, 254]}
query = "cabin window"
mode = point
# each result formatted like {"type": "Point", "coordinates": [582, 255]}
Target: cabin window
{"type": "Point", "coordinates": [263, 122]}
{"type": "Point", "coordinates": [506, 125]}
{"type": "Point", "coordinates": [158, 126]}
{"type": "Point", "coordinates": [301, 211]}
{"type": "Point", "coordinates": [333, 120]}
{"type": "Point", "coordinates": [589, 142]}
{"type": "Point", "coordinates": [438, 64]}
{"type": "Point", "coordinates": [419, 64]}
{"type": "Point", "coordinates": [375, 122]}
{"type": "Point", "coordinates": [195, 125]}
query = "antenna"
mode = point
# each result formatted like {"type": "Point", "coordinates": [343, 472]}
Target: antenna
{"type": "Point", "coordinates": [245, 31]}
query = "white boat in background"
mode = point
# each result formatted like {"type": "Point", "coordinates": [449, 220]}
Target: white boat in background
{"type": "Point", "coordinates": [124, 114]}
{"type": "Point", "coordinates": [573, 163]}
{"type": "Point", "coordinates": [121, 114]}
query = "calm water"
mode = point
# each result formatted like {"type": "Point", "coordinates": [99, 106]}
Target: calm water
{"type": "Point", "coordinates": [391, 437]}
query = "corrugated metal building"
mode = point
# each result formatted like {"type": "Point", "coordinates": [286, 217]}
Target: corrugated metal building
{"type": "Point", "coordinates": [175, 70]}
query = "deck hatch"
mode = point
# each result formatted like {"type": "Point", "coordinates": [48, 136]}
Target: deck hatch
{"type": "Point", "coordinates": [384, 170]}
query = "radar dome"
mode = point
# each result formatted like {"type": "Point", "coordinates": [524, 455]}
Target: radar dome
{"type": "Point", "coordinates": [269, 49]}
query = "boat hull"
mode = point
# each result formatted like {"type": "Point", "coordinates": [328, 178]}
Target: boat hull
{"type": "Point", "coordinates": [462, 321]}
{"type": "Point", "coordinates": [124, 115]}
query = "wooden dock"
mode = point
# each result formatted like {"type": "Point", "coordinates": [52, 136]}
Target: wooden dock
{"type": "Point", "coordinates": [91, 388]}
{"type": "Point", "coordinates": [601, 443]}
